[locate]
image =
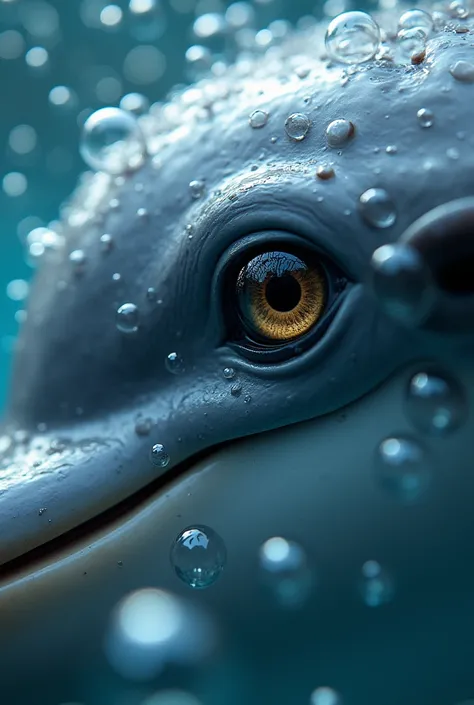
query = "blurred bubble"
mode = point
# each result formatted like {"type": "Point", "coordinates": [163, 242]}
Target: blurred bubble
{"type": "Point", "coordinates": [151, 628]}
{"type": "Point", "coordinates": [37, 57]}
{"type": "Point", "coordinates": [111, 16]}
{"type": "Point", "coordinates": [14, 184]}
{"type": "Point", "coordinates": [325, 696]}
{"type": "Point", "coordinates": [40, 19]}
{"type": "Point", "coordinates": [17, 289]}
{"type": "Point", "coordinates": [285, 571]}
{"type": "Point", "coordinates": [144, 64]}
{"type": "Point", "coordinates": [108, 89]}
{"type": "Point", "coordinates": [41, 240]}
{"type": "Point", "coordinates": [90, 11]}
{"type": "Point", "coordinates": [376, 585]}
{"type": "Point", "coordinates": [22, 139]}
{"type": "Point", "coordinates": [61, 96]}
{"type": "Point", "coordinates": [135, 103]}
{"type": "Point", "coordinates": [402, 468]}
{"type": "Point", "coordinates": [12, 44]}
{"type": "Point", "coordinates": [147, 20]}
{"type": "Point", "coordinates": [209, 25]}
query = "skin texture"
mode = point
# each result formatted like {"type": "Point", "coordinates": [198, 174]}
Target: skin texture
{"type": "Point", "coordinates": [79, 380]}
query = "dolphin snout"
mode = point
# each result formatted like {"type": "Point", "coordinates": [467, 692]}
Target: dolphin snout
{"type": "Point", "coordinates": [426, 279]}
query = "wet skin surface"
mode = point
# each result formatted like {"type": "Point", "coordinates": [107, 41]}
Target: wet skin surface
{"type": "Point", "coordinates": [82, 381]}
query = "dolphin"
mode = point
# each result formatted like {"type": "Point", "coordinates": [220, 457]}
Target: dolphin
{"type": "Point", "coordinates": [264, 328]}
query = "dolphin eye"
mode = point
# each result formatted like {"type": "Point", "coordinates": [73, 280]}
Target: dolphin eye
{"type": "Point", "coordinates": [280, 296]}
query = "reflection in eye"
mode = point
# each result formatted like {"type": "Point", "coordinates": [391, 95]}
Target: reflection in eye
{"type": "Point", "coordinates": [280, 296]}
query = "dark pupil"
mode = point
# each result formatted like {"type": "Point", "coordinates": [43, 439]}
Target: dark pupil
{"type": "Point", "coordinates": [283, 293]}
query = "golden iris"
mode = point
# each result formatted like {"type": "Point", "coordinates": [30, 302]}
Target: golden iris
{"type": "Point", "coordinates": [280, 296]}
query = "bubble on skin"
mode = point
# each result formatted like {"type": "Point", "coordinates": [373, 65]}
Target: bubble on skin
{"type": "Point", "coordinates": [411, 42]}
{"type": "Point", "coordinates": [297, 126]}
{"type": "Point", "coordinates": [151, 628]}
{"type": "Point", "coordinates": [285, 571]}
{"type": "Point", "coordinates": [197, 188]}
{"type": "Point", "coordinates": [325, 172]}
{"type": "Point", "coordinates": [403, 284]}
{"type": "Point", "coordinates": [416, 19]}
{"type": "Point", "coordinates": [462, 71]}
{"type": "Point", "coordinates": [352, 38]}
{"type": "Point", "coordinates": [159, 456]}
{"type": "Point", "coordinates": [377, 208]}
{"type": "Point", "coordinates": [229, 373]}
{"type": "Point", "coordinates": [402, 469]}
{"type": "Point", "coordinates": [338, 132]}
{"type": "Point", "coordinates": [258, 118]}
{"type": "Point", "coordinates": [236, 390]}
{"type": "Point", "coordinates": [174, 363]}
{"type": "Point", "coordinates": [112, 141]}
{"type": "Point", "coordinates": [127, 318]}
{"type": "Point", "coordinates": [425, 117]}
{"type": "Point", "coordinates": [198, 556]}
{"type": "Point", "coordinates": [325, 696]}
{"type": "Point", "coordinates": [377, 586]}
{"type": "Point", "coordinates": [435, 403]}
{"type": "Point", "coordinates": [143, 426]}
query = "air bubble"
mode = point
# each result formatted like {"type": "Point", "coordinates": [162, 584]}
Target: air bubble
{"type": "Point", "coordinates": [127, 318]}
{"type": "Point", "coordinates": [403, 284]}
{"type": "Point", "coordinates": [135, 103]}
{"type": "Point", "coordinates": [258, 118]}
{"type": "Point", "coordinates": [435, 403]}
{"type": "Point", "coordinates": [228, 372]}
{"type": "Point", "coordinates": [285, 571]}
{"type": "Point", "coordinates": [174, 363]}
{"type": "Point", "coordinates": [425, 117]}
{"type": "Point", "coordinates": [416, 19]}
{"type": "Point", "coordinates": [325, 172]}
{"type": "Point", "coordinates": [159, 456]}
{"type": "Point", "coordinates": [352, 38]}
{"type": "Point", "coordinates": [325, 696]}
{"type": "Point", "coordinates": [106, 242]}
{"type": "Point", "coordinates": [402, 468]}
{"type": "Point", "coordinates": [377, 208]}
{"type": "Point", "coordinates": [411, 42]}
{"type": "Point", "coordinates": [143, 426]}
{"type": "Point", "coordinates": [197, 188]}
{"type": "Point", "coordinates": [297, 126]}
{"type": "Point", "coordinates": [376, 585]}
{"type": "Point", "coordinates": [338, 132]}
{"type": "Point", "coordinates": [78, 260]}
{"type": "Point", "coordinates": [198, 556]}
{"type": "Point", "coordinates": [112, 141]}
{"type": "Point", "coordinates": [199, 60]}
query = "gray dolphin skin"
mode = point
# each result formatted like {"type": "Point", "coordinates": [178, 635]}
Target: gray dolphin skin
{"type": "Point", "coordinates": [265, 328]}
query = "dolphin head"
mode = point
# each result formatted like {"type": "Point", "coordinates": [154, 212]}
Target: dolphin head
{"type": "Point", "coordinates": [270, 323]}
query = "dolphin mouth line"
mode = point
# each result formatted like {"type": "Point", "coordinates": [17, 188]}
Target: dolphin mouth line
{"type": "Point", "coordinates": [106, 519]}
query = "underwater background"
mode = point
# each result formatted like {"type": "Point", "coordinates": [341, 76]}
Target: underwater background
{"type": "Point", "coordinates": [63, 59]}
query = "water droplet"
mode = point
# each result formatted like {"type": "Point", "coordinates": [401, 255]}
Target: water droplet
{"type": "Point", "coordinates": [376, 585]}
{"type": "Point", "coordinates": [403, 283]}
{"type": "Point", "coordinates": [159, 456]}
{"type": "Point", "coordinates": [435, 404]}
{"type": "Point", "coordinates": [198, 556]}
{"type": "Point", "coordinates": [402, 469]}
{"type": "Point", "coordinates": [416, 19]}
{"type": "Point", "coordinates": [236, 390]}
{"type": "Point", "coordinates": [338, 132]}
{"type": "Point", "coordinates": [425, 117]}
{"type": "Point", "coordinates": [325, 696]}
{"type": "Point", "coordinates": [143, 426]}
{"type": "Point", "coordinates": [229, 372]}
{"type": "Point", "coordinates": [258, 118]}
{"type": "Point", "coordinates": [377, 208]}
{"type": "Point", "coordinates": [463, 71]}
{"type": "Point", "coordinates": [174, 363]}
{"type": "Point", "coordinates": [197, 188]}
{"type": "Point", "coordinates": [325, 172]}
{"type": "Point", "coordinates": [285, 571]}
{"type": "Point", "coordinates": [112, 141]}
{"type": "Point", "coordinates": [352, 38]}
{"type": "Point", "coordinates": [127, 318]}
{"type": "Point", "coordinates": [106, 242]}
{"type": "Point", "coordinates": [297, 126]}
{"type": "Point", "coordinates": [411, 42]}
{"type": "Point", "coordinates": [78, 260]}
